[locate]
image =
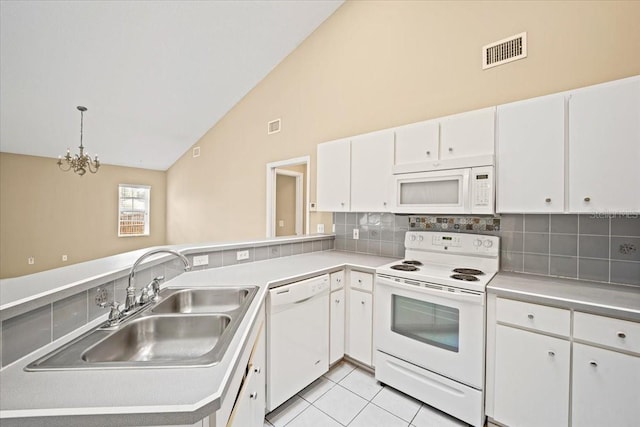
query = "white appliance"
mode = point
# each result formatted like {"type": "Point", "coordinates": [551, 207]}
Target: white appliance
{"type": "Point", "coordinates": [453, 191]}
{"type": "Point", "coordinates": [430, 320]}
{"type": "Point", "coordinates": [297, 337]}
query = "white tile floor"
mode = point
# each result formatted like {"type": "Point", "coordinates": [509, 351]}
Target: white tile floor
{"type": "Point", "coordinates": [350, 396]}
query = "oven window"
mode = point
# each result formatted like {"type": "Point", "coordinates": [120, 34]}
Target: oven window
{"type": "Point", "coordinates": [426, 322]}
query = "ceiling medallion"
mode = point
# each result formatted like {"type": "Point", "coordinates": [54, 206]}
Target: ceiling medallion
{"type": "Point", "coordinates": [79, 163]}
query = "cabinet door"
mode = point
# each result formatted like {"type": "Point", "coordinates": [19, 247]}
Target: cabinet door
{"type": "Point", "coordinates": [604, 148]}
{"type": "Point", "coordinates": [605, 388]}
{"type": "Point", "coordinates": [360, 326]}
{"type": "Point", "coordinates": [250, 405]}
{"type": "Point", "coordinates": [333, 176]}
{"type": "Point", "coordinates": [530, 155]}
{"type": "Point", "coordinates": [337, 280]}
{"type": "Point", "coordinates": [468, 134]}
{"type": "Point", "coordinates": [531, 379]}
{"type": "Point", "coordinates": [336, 331]}
{"type": "Point", "coordinates": [417, 142]}
{"type": "Point", "coordinates": [371, 163]}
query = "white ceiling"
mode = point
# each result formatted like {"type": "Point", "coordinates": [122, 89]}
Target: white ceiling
{"type": "Point", "coordinates": [154, 75]}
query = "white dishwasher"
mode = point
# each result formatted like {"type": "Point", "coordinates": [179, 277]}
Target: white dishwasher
{"type": "Point", "coordinates": [297, 337]}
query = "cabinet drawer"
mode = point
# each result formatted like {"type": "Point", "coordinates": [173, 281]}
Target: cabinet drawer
{"type": "Point", "coordinates": [337, 280]}
{"type": "Point", "coordinates": [607, 331]}
{"type": "Point", "coordinates": [362, 281]}
{"type": "Point", "coordinates": [534, 316]}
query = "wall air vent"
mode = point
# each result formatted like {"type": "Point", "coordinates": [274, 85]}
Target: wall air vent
{"type": "Point", "coordinates": [196, 151]}
{"type": "Point", "coordinates": [273, 126]}
{"type": "Point", "coordinates": [503, 51]}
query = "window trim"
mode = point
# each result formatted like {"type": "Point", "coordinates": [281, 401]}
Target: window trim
{"type": "Point", "coordinates": [147, 213]}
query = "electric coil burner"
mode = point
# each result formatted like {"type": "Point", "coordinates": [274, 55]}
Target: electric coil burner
{"type": "Point", "coordinates": [465, 277]}
{"type": "Point", "coordinates": [412, 262]}
{"type": "Point", "coordinates": [471, 271]}
{"type": "Point", "coordinates": [404, 267]}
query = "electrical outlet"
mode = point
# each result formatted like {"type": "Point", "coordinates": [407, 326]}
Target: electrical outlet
{"type": "Point", "coordinates": [64, 258]}
{"type": "Point", "coordinates": [281, 223]}
{"type": "Point", "coordinates": [320, 228]}
{"type": "Point", "coordinates": [356, 234]}
{"type": "Point", "coordinates": [31, 260]}
{"type": "Point", "coordinates": [240, 255]}
{"type": "Point", "coordinates": [200, 260]}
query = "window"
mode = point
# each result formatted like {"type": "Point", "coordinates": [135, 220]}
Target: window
{"type": "Point", "coordinates": [133, 210]}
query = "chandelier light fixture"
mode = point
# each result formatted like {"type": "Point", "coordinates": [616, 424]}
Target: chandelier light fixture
{"type": "Point", "coordinates": [79, 163]}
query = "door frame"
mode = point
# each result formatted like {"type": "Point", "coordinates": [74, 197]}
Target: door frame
{"type": "Point", "coordinates": [273, 169]}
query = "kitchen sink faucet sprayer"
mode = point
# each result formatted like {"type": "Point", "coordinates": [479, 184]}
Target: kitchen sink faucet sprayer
{"type": "Point", "coordinates": [130, 303]}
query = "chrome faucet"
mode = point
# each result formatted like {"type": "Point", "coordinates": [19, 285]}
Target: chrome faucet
{"type": "Point", "coordinates": [130, 302]}
{"type": "Point", "coordinates": [149, 293]}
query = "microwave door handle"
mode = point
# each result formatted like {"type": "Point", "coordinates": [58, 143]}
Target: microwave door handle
{"type": "Point", "coordinates": [456, 296]}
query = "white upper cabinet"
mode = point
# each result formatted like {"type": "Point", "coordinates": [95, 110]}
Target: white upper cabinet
{"type": "Point", "coordinates": [604, 148]}
{"type": "Point", "coordinates": [334, 176]}
{"type": "Point", "coordinates": [371, 163]}
{"type": "Point", "coordinates": [530, 155]}
{"type": "Point", "coordinates": [417, 142]}
{"type": "Point", "coordinates": [469, 134]}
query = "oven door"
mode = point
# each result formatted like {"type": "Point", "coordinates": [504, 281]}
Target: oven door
{"type": "Point", "coordinates": [439, 330]}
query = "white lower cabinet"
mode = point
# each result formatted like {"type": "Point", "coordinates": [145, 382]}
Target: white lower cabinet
{"type": "Point", "coordinates": [336, 329]}
{"type": "Point", "coordinates": [605, 388]}
{"type": "Point", "coordinates": [531, 379]}
{"type": "Point", "coordinates": [360, 326]}
{"type": "Point", "coordinates": [250, 404]}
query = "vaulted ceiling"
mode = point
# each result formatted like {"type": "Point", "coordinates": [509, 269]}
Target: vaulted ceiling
{"type": "Point", "coordinates": [154, 75]}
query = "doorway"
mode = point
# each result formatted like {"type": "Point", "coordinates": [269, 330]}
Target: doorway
{"type": "Point", "coordinates": [288, 197]}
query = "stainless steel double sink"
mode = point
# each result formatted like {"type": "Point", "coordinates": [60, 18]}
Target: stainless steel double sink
{"type": "Point", "coordinates": [186, 327]}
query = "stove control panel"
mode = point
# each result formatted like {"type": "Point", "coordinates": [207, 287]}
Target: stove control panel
{"type": "Point", "coordinates": [463, 243]}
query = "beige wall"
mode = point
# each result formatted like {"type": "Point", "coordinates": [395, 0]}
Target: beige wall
{"type": "Point", "coordinates": [378, 64]}
{"type": "Point", "coordinates": [45, 213]}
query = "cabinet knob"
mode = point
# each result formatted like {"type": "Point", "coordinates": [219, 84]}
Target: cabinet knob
{"type": "Point", "coordinates": [254, 395]}
{"type": "Point", "coordinates": [256, 369]}
{"type": "Point", "coordinates": [385, 204]}
{"type": "Point", "coordinates": [530, 316]}
{"type": "Point", "coordinates": [428, 153]}
{"type": "Point", "coordinates": [593, 363]}
{"type": "Point", "coordinates": [337, 301]}
{"type": "Point", "coordinates": [587, 199]}
{"type": "Point", "coordinates": [622, 335]}
{"type": "Point", "coordinates": [450, 149]}
{"type": "Point", "coordinates": [551, 353]}
{"type": "Point", "coordinates": [548, 200]}
{"type": "Point", "coordinates": [342, 204]}
{"type": "Point", "coordinates": [338, 280]}
{"type": "Point", "coordinates": [362, 302]}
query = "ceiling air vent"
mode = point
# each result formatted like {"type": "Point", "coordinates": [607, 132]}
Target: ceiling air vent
{"type": "Point", "coordinates": [273, 126]}
{"type": "Point", "coordinates": [503, 51]}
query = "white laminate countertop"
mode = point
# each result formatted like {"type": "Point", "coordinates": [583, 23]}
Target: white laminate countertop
{"type": "Point", "coordinates": [608, 299]}
{"type": "Point", "coordinates": [155, 396]}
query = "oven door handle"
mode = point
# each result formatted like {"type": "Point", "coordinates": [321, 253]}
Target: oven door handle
{"type": "Point", "coordinates": [470, 297]}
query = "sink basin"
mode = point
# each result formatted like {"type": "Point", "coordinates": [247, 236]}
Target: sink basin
{"type": "Point", "coordinates": [159, 338]}
{"type": "Point", "coordinates": [188, 327]}
{"type": "Point", "coordinates": [206, 300]}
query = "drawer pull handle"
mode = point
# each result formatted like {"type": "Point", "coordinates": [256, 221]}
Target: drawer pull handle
{"type": "Point", "coordinates": [530, 316]}
{"type": "Point", "coordinates": [622, 335]}
{"type": "Point", "coordinates": [254, 395]}
{"type": "Point", "coordinates": [593, 363]}
{"type": "Point", "coordinates": [552, 353]}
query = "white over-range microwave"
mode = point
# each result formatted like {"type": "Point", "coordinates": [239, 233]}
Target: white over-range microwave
{"type": "Point", "coordinates": [453, 191]}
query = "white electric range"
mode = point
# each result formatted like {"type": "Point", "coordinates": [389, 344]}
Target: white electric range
{"type": "Point", "coordinates": [430, 320]}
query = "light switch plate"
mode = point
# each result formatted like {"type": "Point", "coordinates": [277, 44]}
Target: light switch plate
{"type": "Point", "coordinates": [200, 260]}
{"type": "Point", "coordinates": [320, 228]}
{"type": "Point", "coordinates": [240, 255]}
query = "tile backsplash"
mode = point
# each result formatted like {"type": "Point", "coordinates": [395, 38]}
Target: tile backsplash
{"type": "Point", "coordinates": [589, 247]}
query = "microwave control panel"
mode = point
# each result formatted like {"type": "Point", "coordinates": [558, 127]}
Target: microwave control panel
{"type": "Point", "coordinates": [482, 190]}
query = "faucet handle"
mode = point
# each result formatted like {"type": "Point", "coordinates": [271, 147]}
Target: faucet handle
{"type": "Point", "coordinates": [115, 312]}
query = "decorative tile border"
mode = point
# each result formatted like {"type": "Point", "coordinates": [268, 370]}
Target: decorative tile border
{"type": "Point", "coordinates": [454, 223]}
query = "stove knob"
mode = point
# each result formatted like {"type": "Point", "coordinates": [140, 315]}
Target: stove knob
{"type": "Point", "coordinates": [420, 238]}
{"type": "Point", "coordinates": [412, 238]}
{"type": "Point", "coordinates": [488, 243]}
{"type": "Point", "coordinates": [477, 242]}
